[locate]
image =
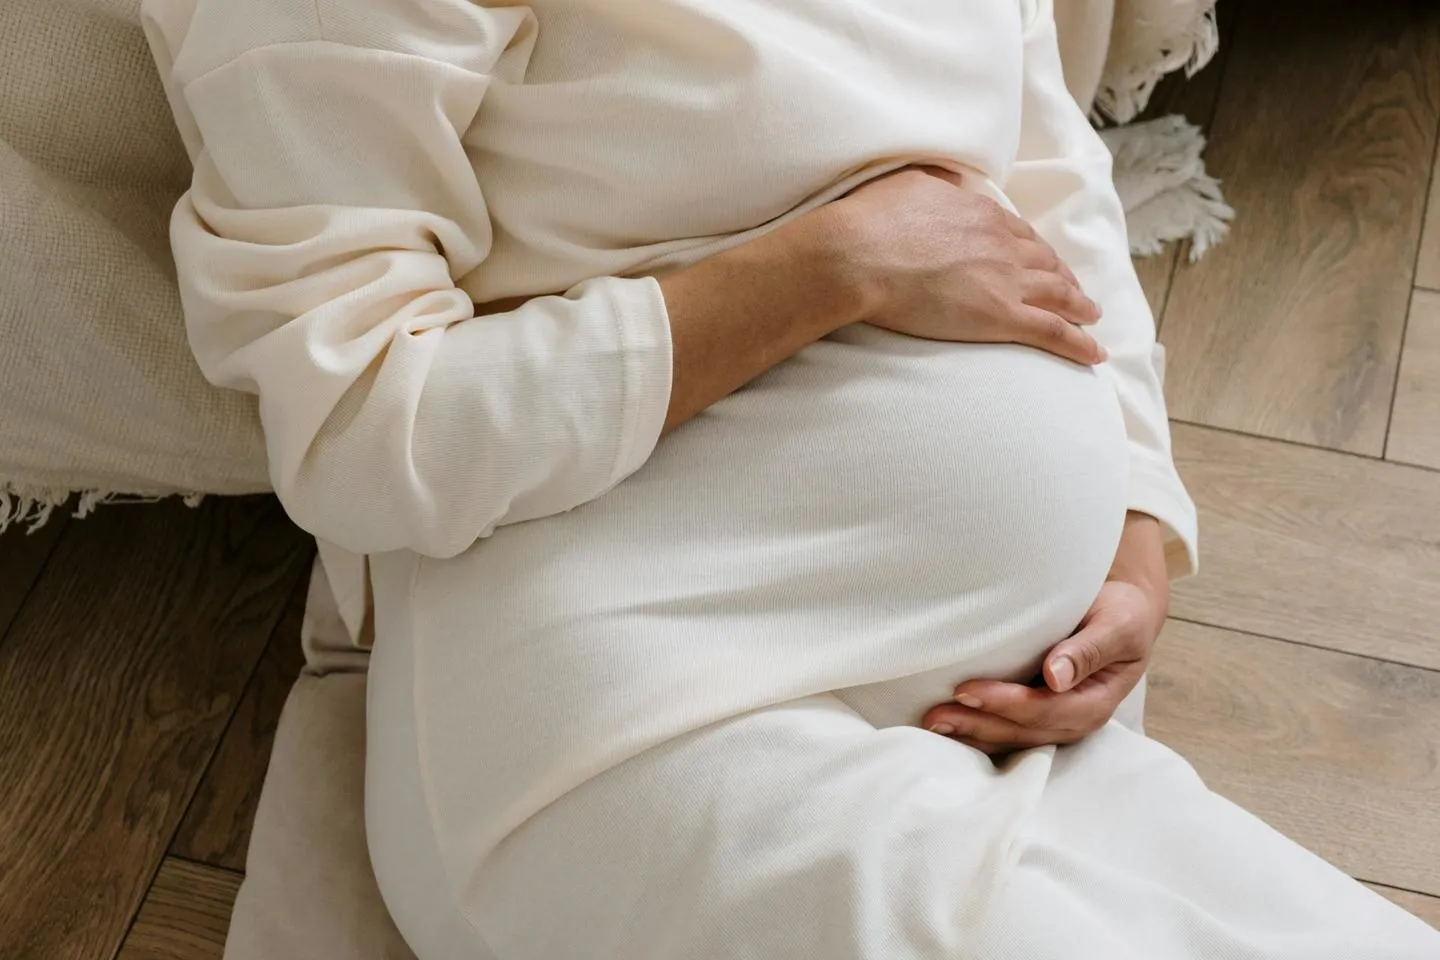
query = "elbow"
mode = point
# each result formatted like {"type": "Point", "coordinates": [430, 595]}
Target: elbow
{"type": "Point", "coordinates": [363, 513]}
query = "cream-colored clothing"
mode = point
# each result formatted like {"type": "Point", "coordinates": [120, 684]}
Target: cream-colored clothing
{"type": "Point", "coordinates": [666, 717]}
{"type": "Point", "coordinates": [364, 171]}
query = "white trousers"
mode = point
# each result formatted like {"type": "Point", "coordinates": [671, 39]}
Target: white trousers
{"type": "Point", "coordinates": [676, 723]}
{"type": "Point", "coordinates": [802, 831]}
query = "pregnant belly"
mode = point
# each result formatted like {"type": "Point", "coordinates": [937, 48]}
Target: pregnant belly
{"type": "Point", "coordinates": [877, 507]}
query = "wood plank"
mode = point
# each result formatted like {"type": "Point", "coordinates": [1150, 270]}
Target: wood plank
{"type": "Point", "coordinates": [1427, 267]}
{"type": "Point", "coordinates": [1425, 907]}
{"type": "Point", "coordinates": [1323, 136]}
{"type": "Point", "coordinates": [1415, 422]}
{"type": "Point", "coordinates": [1195, 99]}
{"type": "Point", "coordinates": [1313, 546]}
{"type": "Point", "coordinates": [1341, 753]}
{"type": "Point", "coordinates": [22, 557]}
{"type": "Point", "coordinates": [216, 828]}
{"type": "Point", "coordinates": [119, 675]}
{"type": "Point", "coordinates": [1154, 273]}
{"type": "Point", "coordinates": [185, 915]}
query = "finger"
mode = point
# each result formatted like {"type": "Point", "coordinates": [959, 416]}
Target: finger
{"type": "Point", "coordinates": [1083, 709]}
{"type": "Point", "coordinates": [1051, 291]}
{"type": "Point", "coordinates": [1052, 333]}
{"type": "Point", "coordinates": [952, 720]}
{"type": "Point", "coordinates": [1021, 227]}
{"type": "Point", "coordinates": [1068, 274]}
{"type": "Point", "coordinates": [989, 749]}
{"type": "Point", "coordinates": [1037, 255]}
{"type": "Point", "coordinates": [1100, 643]}
{"type": "Point", "coordinates": [1027, 706]}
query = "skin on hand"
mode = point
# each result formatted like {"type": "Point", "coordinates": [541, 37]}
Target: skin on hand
{"type": "Point", "coordinates": [1087, 675]}
{"type": "Point", "coordinates": [947, 262]}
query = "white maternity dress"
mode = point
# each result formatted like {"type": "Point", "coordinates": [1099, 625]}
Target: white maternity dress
{"type": "Point", "coordinates": [655, 701]}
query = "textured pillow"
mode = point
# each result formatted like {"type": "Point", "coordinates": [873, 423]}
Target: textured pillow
{"type": "Point", "coordinates": [98, 390]}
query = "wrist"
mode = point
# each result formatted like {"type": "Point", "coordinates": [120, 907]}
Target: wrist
{"type": "Point", "coordinates": [1140, 560]}
{"type": "Point", "coordinates": [838, 231]}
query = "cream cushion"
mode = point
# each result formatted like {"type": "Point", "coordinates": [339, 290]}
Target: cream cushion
{"type": "Point", "coordinates": [98, 391]}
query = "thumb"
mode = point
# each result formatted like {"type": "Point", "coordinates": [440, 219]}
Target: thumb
{"type": "Point", "coordinates": [1076, 658]}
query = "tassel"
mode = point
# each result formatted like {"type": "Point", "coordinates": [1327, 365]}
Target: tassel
{"type": "Point", "coordinates": [1121, 97]}
{"type": "Point", "coordinates": [1163, 186]}
{"type": "Point", "coordinates": [21, 504]}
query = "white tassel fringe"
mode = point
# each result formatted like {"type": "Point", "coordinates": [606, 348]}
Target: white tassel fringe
{"type": "Point", "coordinates": [34, 506]}
{"type": "Point", "coordinates": [1121, 97]}
{"type": "Point", "coordinates": [1163, 186]}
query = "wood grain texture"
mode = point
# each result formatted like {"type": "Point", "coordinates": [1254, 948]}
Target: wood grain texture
{"type": "Point", "coordinates": [119, 675]}
{"type": "Point", "coordinates": [1425, 907]}
{"type": "Point", "coordinates": [1323, 137]}
{"type": "Point", "coordinates": [1415, 421]}
{"type": "Point", "coordinates": [1313, 546]}
{"type": "Point", "coordinates": [1427, 267]}
{"type": "Point", "coordinates": [216, 828]}
{"type": "Point", "coordinates": [1154, 273]}
{"type": "Point", "coordinates": [22, 557]}
{"type": "Point", "coordinates": [185, 915]}
{"type": "Point", "coordinates": [1340, 753]}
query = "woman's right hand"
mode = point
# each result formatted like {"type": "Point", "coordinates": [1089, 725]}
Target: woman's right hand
{"type": "Point", "coordinates": [942, 261]}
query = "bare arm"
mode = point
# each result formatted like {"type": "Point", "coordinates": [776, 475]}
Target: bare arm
{"type": "Point", "coordinates": [741, 312]}
{"type": "Point", "coordinates": [914, 252]}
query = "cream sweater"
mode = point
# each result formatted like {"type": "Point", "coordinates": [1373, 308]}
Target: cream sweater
{"type": "Point", "coordinates": [367, 170]}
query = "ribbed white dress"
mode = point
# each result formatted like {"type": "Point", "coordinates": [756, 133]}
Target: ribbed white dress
{"type": "Point", "coordinates": [646, 701]}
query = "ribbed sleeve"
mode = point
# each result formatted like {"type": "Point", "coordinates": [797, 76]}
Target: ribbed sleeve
{"type": "Point", "coordinates": [333, 209]}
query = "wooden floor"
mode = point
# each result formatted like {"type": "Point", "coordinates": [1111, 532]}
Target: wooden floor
{"type": "Point", "coordinates": [145, 652]}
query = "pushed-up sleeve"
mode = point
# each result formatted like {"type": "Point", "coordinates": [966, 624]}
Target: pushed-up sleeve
{"type": "Point", "coordinates": [332, 212]}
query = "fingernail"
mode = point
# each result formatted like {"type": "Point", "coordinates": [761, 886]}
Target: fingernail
{"type": "Point", "coordinates": [969, 700]}
{"type": "Point", "coordinates": [1063, 670]}
{"type": "Point", "coordinates": [1104, 354]}
{"type": "Point", "coordinates": [944, 729]}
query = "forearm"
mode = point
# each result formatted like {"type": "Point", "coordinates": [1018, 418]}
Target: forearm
{"type": "Point", "coordinates": [737, 314]}
{"type": "Point", "coordinates": [1140, 560]}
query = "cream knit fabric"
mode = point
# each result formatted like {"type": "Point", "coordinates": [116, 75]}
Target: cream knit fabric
{"type": "Point", "coordinates": [575, 713]}
{"type": "Point", "coordinates": [100, 392]}
{"type": "Point", "coordinates": [365, 172]}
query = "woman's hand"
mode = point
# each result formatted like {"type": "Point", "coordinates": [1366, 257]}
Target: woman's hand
{"type": "Point", "coordinates": [1087, 675]}
{"type": "Point", "coordinates": [942, 261]}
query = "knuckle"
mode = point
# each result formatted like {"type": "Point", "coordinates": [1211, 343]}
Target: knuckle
{"type": "Point", "coordinates": [1055, 329]}
{"type": "Point", "coordinates": [1039, 721]}
{"type": "Point", "coordinates": [1087, 655]}
{"type": "Point", "coordinates": [1050, 286]}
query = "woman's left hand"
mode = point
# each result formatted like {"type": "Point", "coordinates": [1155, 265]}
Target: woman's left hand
{"type": "Point", "coordinates": [1086, 675]}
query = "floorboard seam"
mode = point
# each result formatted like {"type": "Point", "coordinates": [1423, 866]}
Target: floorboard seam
{"type": "Point", "coordinates": [1410, 306]}
{"type": "Point", "coordinates": [1303, 643]}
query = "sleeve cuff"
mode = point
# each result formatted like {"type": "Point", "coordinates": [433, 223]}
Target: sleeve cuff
{"type": "Point", "coordinates": [1162, 497]}
{"type": "Point", "coordinates": [643, 326]}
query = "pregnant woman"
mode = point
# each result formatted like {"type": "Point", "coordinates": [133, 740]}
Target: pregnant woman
{"type": "Point", "coordinates": [739, 564]}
